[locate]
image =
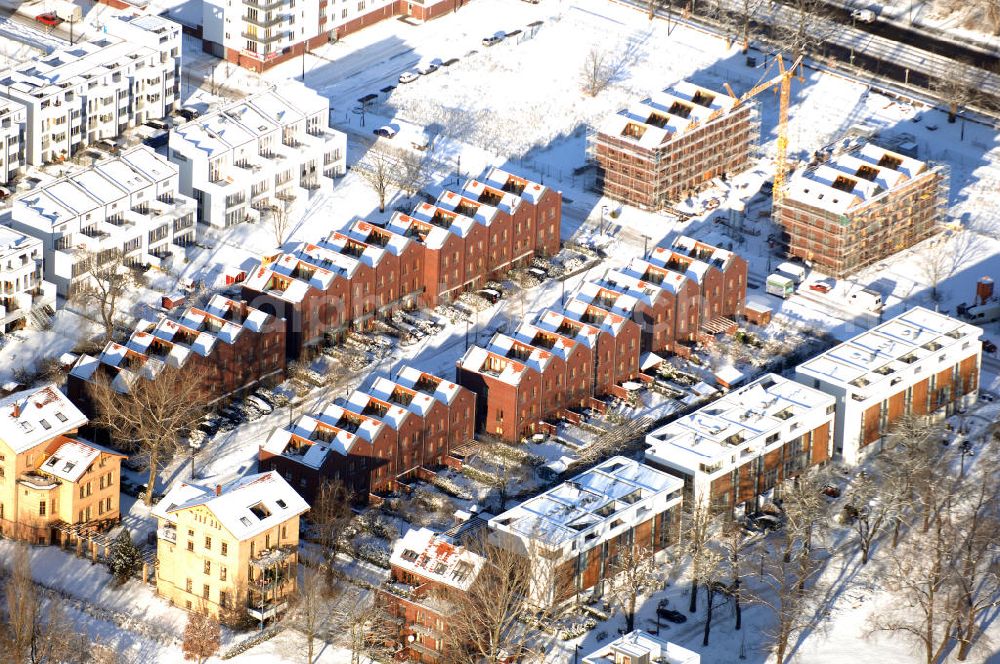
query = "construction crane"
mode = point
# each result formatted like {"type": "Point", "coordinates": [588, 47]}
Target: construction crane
{"type": "Point", "coordinates": [784, 81]}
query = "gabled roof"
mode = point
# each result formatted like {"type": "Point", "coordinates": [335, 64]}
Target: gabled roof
{"type": "Point", "coordinates": [245, 507]}
{"type": "Point", "coordinates": [73, 457]}
{"type": "Point", "coordinates": [31, 417]}
{"type": "Point", "coordinates": [436, 558]}
{"type": "Point", "coordinates": [441, 389]}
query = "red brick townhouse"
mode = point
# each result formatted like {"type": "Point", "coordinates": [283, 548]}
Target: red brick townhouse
{"type": "Point", "coordinates": [743, 446]}
{"type": "Point", "coordinates": [568, 381]}
{"type": "Point", "coordinates": [507, 380]}
{"type": "Point", "coordinates": [454, 247]}
{"type": "Point", "coordinates": [534, 211]}
{"type": "Point", "coordinates": [617, 353]}
{"type": "Point", "coordinates": [229, 346]}
{"type": "Point", "coordinates": [309, 288]}
{"type": "Point", "coordinates": [428, 570]}
{"type": "Point", "coordinates": [499, 249]}
{"type": "Point", "coordinates": [377, 437]}
{"type": "Point", "coordinates": [721, 276]}
{"type": "Point", "coordinates": [574, 534]}
{"type": "Point", "coordinates": [666, 303]}
{"type": "Point", "coordinates": [399, 267]}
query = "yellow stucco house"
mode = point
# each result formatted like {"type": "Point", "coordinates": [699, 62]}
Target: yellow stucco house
{"type": "Point", "coordinates": [53, 486]}
{"type": "Point", "coordinates": [229, 547]}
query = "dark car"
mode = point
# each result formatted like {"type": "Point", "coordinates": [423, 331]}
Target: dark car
{"type": "Point", "coordinates": [989, 346]}
{"type": "Point", "coordinates": [670, 615]}
{"type": "Point", "coordinates": [763, 523]}
{"type": "Point", "coordinates": [831, 491]}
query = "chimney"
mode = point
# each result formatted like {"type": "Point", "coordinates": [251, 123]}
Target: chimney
{"type": "Point", "coordinates": [17, 410]}
{"type": "Point", "coordinates": [218, 489]}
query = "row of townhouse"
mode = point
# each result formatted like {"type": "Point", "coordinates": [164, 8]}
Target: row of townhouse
{"type": "Point", "coordinates": [389, 431]}
{"type": "Point", "coordinates": [677, 296]}
{"type": "Point", "coordinates": [841, 404]}
{"type": "Point", "coordinates": [90, 91]}
{"type": "Point", "coordinates": [500, 221]}
{"type": "Point", "coordinates": [258, 34]}
{"type": "Point", "coordinates": [571, 537]}
{"type": "Point", "coordinates": [227, 345]}
{"type": "Point", "coordinates": [129, 205]}
{"type": "Point", "coordinates": [54, 486]}
{"type": "Point", "coordinates": [258, 152]}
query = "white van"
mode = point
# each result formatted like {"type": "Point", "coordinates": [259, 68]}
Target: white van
{"type": "Point", "coordinates": [867, 299]}
{"type": "Point", "coordinates": [796, 273]}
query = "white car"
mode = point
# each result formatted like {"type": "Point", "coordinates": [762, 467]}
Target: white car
{"type": "Point", "coordinates": [408, 76]}
{"type": "Point", "coordinates": [863, 15]}
{"type": "Point", "coordinates": [494, 39]}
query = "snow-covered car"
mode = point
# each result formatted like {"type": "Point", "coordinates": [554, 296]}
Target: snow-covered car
{"type": "Point", "coordinates": [863, 15]}
{"type": "Point", "coordinates": [821, 286]}
{"type": "Point", "coordinates": [429, 66]}
{"type": "Point", "coordinates": [385, 131]}
{"type": "Point", "coordinates": [494, 39]}
{"type": "Point", "coordinates": [408, 77]}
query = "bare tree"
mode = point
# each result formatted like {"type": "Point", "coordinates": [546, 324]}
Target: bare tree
{"type": "Point", "coordinates": [280, 214]}
{"type": "Point", "coordinates": [330, 514]}
{"type": "Point", "coordinates": [874, 507]}
{"type": "Point", "coordinates": [961, 86]}
{"type": "Point", "coordinates": [632, 572]}
{"type": "Point", "coordinates": [733, 544]}
{"type": "Point", "coordinates": [714, 573]}
{"type": "Point", "coordinates": [596, 71]}
{"type": "Point", "coordinates": [977, 577]}
{"type": "Point", "coordinates": [312, 609]}
{"type": "Point", "coordinates": [202, 636]}
{"type": "Point", "coordinates": [697, 519]}
{"type": "Point", "coordinates": [108, 277]}
{"type": "Point", "coordinates": [31, 632]}
{"type": "Point", "coordinates": [784, 579]}
{"type": "Point", "coordinates": [412, 171]}
{"type": "Point", "coordinates": [378, 168]}
{"type": "Point", "coordinates": [152, 417]}
{"type": "Point", "coordinates": [919, 575]}
{"type": "Point", "coordinates": [800, 26]}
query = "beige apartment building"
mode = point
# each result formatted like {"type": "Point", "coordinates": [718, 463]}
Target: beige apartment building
{"type": "Point", "coordinates": [229, 548]}
{"type": "Point", "coordinates": [53, 487]}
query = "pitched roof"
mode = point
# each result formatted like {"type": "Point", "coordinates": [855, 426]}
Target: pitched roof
{"type": "Point", "coordinates": [31, 417]}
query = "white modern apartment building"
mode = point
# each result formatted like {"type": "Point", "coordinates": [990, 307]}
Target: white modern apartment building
{"type": "Point", "coordinates": [919, 363]}
{"type": "Point", "coordinates": [95, 90]}
{"type": "Point", "coordinates": [13, 135]}
{"type": "Point", "coordinates": [638, 647]}
{"type": "Point", "coordinates": [258, 34]}
{"type": "Point", "coordinates": [742, 446]}
{"type": "Point", "coordinates": [129, 204]}
{"type": "Point", "coordinates": [272, 146]}
{"type": "Point", "coordinates": [21, 285]}
{"type": "Point", "coordinates": [574, 532]}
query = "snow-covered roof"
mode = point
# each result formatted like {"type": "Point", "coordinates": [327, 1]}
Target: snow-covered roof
{"type": "Point", "coordinates": [559, 323]}
{"type": "Point", "coordinates": [874, 356]}
{"type": "Point", "coordinates": [557, 344]}
{"type": "Point", "coordinates": [444, 219]}
{"type": "Point", "coordinates": [15, 241]}
{"type": "Point", "coordinates": [369, 254]}
{"type": "Point", "coordinates": [441, 389]}
{"type": "Point", "coordinates": [592, 314]}
{"type": "Point", "coordinates": [480, 212]}
{"type": "Point", "coordinates": [639, 646]}
{"type": "Point", "coordinates": [607, 295]}
{"type": "Point", "coordinates": [488, 363]}
{"type": "Point", "coordinates": [72, 458]}
{"type": "Point", "coordinates": [619, 488]}
{"type": "Point", "coordinates": [393, 242]}
{"type": "Point", "coordinates": [486, 194]}
{"type": "Point", "coordinates": [391, 392]}
{"type": "Point", "coordinates": [532, 356]}
{"type": "Point", "coordinates": [372, 406]}
{"type": "Point", "coordinates": [663, 116]}
{"type": "Point", "coordinates": [31, 417]}
{"type": "Point", "coordinates": [852, 178]}
{"type": "Point", "coordinates": [504, 181]}
{"type": "Point", "coordinates": [245, 507]}
{"type": "Point", "coordinates": [742, 420]}
{"type": "Point", "coordinates": [436, 558]}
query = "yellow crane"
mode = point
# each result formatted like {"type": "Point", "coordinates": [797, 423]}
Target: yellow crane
{"type": "Point", "coordinates": [784, 81]}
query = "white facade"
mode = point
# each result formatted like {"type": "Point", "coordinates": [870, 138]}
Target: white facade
{"type": "Point", "coordinates": [127, 204]}
{"type": "Point", "coordinates": [241, 160]}
{"type": "Point", "coordinates": [739, 430]}
{"type": "Point", "coordinates": [909, 364]}
{"type": "Point", "coordinates": [640, 648]}
{"type": "Point", "coordinates": [13, 134]}
{"type": "Point", "coordinates": [95, 90]}
{"type": "Point", "coordinates": [21, 284]}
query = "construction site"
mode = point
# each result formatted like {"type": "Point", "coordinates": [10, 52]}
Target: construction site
{"type": "Point", "coordinates": [858, 204]}
{"type": "Point", "coordinates": [673, 143]}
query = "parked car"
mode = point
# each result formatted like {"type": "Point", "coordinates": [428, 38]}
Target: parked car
{"type": "Point", "coordinates": [863, 15]}
{"type": "Point", "coordinates": [385, 131]}
{"type": "Point", "coordinates": [450, 61]}
{"type": "Point", "coordinates": [989, 346]}
{"type": "Point", "coordinates": [494, 39]}
{"type": "Point", "coordinates": [408, 77]}
{"type": "Point", "coordinates": [670, 615]}
{"type": "Point", "coordinates": [49, 19]}
{"type": "Point", "coordinates": [429, 66]}
{"type": "Point", "coordinates": [821, 286]}
{"type": "Point", "coordinates": [831, 491]}
{"type": "Point", "coordinates": [762, 523]}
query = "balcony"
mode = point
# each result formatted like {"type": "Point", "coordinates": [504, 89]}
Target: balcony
{"type": "Point", "coordinates": [168, 533]}
{"type": "Point", "coordinates": [266, 22]}
{"type": "Point", "coordinates": [263, 5]}
{"type": "Point", "coordinates": [267, 610]}
{"type": "Point", "coordinates": [262, 39]}
{"type": "Point", "coordinates": [38, 481]}
{"type": "Point", "coordinates": [271, 557]}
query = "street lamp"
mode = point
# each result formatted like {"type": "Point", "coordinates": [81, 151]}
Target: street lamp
{"type": "Point", "coordinates": [576, 654]}
{"type": "Point", "coordinates": [604, 212]}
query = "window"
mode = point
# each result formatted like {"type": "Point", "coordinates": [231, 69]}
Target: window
{"type": "Point", "coordinates": [223, 599]}
{"type": "Point", "coordinates": [222, 573]}
{"type": "Point", "coordinates": [190, 545]}
{"type": "Point", "coordinates": [206, 591]}
{"type": "Point", "coordinates": [188, 585]}
{"type": "Point", "coordinates": [225, 548]}
{"type": "Point", "coordinates": [208, 542]}
{"type": "Point", "coordinates": [41, 508]}
{"type": "Point", "coordinates": [208, 567]}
